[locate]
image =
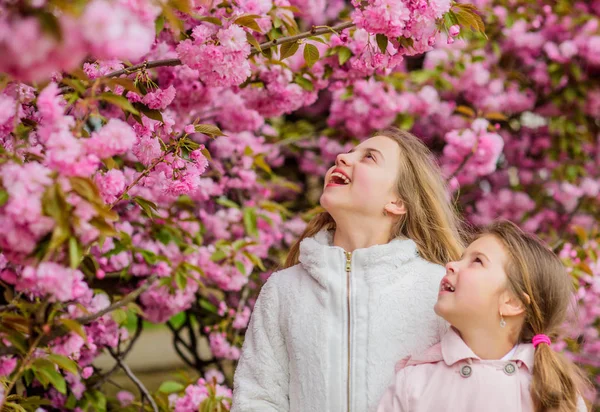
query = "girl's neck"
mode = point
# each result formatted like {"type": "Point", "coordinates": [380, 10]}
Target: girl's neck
{"type": "Point", "coordinates": [488, 344]}
{"type": "Point", "coordinates": [356, 237]}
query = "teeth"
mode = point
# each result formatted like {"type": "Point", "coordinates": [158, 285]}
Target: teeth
{"type": "Point", "coordinates": [341, 176]}
{"type": "Point", "coordinates": [447, 286]}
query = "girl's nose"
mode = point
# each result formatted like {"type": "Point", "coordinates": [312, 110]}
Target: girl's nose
{"type": "Point", "coordinates": [452, 267]}
{"type": "Point", "coordinates": [342, 159]}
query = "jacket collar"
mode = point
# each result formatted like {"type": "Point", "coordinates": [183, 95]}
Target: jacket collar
{"type": "Point", "coordinates": [454, 349]}
{"type": "Point", "coordinates": [320, 258]}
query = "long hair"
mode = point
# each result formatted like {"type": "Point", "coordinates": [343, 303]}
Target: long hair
{"type": "Point", "coordinates": [539, 280]}
{"type": "Point", "coordinates": [431, 220]}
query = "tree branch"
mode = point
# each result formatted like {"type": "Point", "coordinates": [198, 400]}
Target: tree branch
{"type": "Point", "coordinates": [289, 39]}
{"type": "Point", "coordinates": [135, 380]}
{"type": "Point", "coordinates": [84, 320]}
{"type": "Point", "coordinates": [141, 175]}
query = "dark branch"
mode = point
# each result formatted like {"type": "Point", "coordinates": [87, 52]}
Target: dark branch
{"type": "Point", "coordinates": [265, 45]}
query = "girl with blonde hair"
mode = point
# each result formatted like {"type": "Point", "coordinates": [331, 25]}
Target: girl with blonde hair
{"type": "Point", "coordinates": [359, 286]}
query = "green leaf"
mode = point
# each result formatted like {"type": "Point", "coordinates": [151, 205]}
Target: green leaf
{"type": "Point", "coordinates": [65, 363]}
{"type": "Point", "coordinates": [182, 5]}
{"type": "Point", "coordinates": [209, 129]}
{"type": "Point", "coordinates": [3, 197]}
{"type": "Point", "coordinates": [180, 280]}
{"type": "Point", "coordinates": [74, 326]}
{"type": "Point", "coordinates": [344, 54]}
{"type": "Point", "coordinates": [75, 253]}
{"type": "Point", "coordinates": [288, 49]}
{"type": "Point", "coordinates": [50, 375]}
{"type": "Point", "coordinates": [147, 206]}
{"type": "Point", "coordinates": [304, 82]}
{"type": "Point", "coordinates": [55, 205]}
{"type": "Point", "coordinates": [240, 267]}
{"type": "Point", "coordinates": [256, 261]}
{"type": "Point", "coordinates": [248, 21]}
{"type": "Point", "coordinates": [382, 42]}
{"type": "Point", "coordinates": [204, 304]}
{"type": "Point", "coordinates": [17, 340]}
{"type": "Point", "coordinates": [250, 221]}
{"type": "Point", "coordinates": [466, 15]}
{"type": "Point", "coordinates": [50, 24]}
{"type": "Point", "coordinates": [217, 255]}
{"type": "Point", "coordinates": [119, 101]}
{"type": "Point", "coordinates": [119, 316]}
{"type": "Point", "coordinates": [252, 40]}
{"type": "Point", "coordinates": [211, 19]}
{"type": "Point", "coordinates": [149, 257]}
{"type": "Point", "coordinates": [223, 201]}
{"type": "Point", "coordinates": [171, 387]}
{"type": "Point", "coordinates": [159, 24]}
{"type": "Point", "coordinates": [150, 113]}
{"type": "Point", "coordinates": [311, 54]}
{"type": "Point", "coordinates": [261, 163]}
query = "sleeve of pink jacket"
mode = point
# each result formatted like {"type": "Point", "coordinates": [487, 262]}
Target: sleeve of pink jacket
{"type": "Point", "coordinates": [395, 398]}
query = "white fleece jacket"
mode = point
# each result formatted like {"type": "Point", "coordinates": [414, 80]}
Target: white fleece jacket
{"type": "Point", "coordinates": [325, 334]}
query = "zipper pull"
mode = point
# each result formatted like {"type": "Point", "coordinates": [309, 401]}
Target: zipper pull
{"type": "Point", "coordinates": [348, 261]}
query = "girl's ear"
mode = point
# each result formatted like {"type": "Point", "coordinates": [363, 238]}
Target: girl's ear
{"type": "Point", "coordinates": [510, 305]}
{"type": "Point", "coordinates": [396, 208]}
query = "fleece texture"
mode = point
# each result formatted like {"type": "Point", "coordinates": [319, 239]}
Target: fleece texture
{"type": "Point", "coordinates": [296, 355]}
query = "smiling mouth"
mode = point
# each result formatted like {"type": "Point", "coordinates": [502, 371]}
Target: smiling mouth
{"type": "Point", "coordinates": [446, 286]}
{"type": "Point", "coordinates": [338, 178]}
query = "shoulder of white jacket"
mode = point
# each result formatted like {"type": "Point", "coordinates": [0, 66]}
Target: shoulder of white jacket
{"type": "Point", "coordinates": [285, 276]}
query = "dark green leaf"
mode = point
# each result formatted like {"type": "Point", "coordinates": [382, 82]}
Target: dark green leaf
{"type": "Point", "coordinates": [211, 19]}
{"type": "Point", "coordinates": [382, 42]}
{"type": "Point", "coordinates": [159, 24]}
{"type": "Point", "coordinates": [3, 197]}
{"type": "Point", "coordinates": [288, 49]}
{"type": "Point", "coordinates": [208, 306]}
{"type": "Point", "coordinates": [248, 21]}
{"type": "Point", "coordinates": [74, 326]}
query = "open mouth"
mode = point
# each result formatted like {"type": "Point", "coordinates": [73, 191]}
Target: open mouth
{"type": "Point", "coordinates": [446, 286]}
{"type": "Point", "coordinates": [338, 178]}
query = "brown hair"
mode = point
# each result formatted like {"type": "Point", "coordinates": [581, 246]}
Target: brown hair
{"type": "Point", "coordinates": [539, 280]}
{"type": "Point", "coordinates": [431, 220]}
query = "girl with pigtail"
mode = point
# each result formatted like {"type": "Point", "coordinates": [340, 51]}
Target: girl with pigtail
{"type": "Point", "coordinates": [359, 286]}
{"type": "Point", "coordinates": [505, 299]}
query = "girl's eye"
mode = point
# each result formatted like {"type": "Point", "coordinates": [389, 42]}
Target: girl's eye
{"type": "Point", "coordinates": [370, 156]}
{"type": "Point", "coordinates": [477, 260]}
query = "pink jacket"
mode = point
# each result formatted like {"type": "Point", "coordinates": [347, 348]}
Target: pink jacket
{"type": "Point", "coordinates": [450, 377]}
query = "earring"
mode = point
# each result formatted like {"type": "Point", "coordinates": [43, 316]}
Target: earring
{"type": "Point", "coordinates": [385, 212]}
{"type": "Point", "coordinates": [502, 321]}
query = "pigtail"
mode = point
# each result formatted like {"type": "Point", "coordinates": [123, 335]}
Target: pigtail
{"type": "Point", "coordinates": [557, 384]}
{"type": "Point", "coordinates": [320, 221]}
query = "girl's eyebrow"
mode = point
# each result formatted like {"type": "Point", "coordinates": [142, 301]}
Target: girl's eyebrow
{"type": "Point", "coordinates": [368, 149]}
{"type": "Point", "coordinates": [477, 253]}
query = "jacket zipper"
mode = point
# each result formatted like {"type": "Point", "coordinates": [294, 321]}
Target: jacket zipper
{"type": "Point", "coordinates": [348, 269]}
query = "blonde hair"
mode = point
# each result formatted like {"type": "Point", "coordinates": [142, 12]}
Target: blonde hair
{"type": "Point", "coordinates": [431, 220]}
{"type": "Point", "coordinates": [538, 278]}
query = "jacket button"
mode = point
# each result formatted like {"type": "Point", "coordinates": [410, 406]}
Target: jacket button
{"type": "Point", "coordinates": [465, 371]}
{"type": "Point", "coordinates": [510, 369]}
